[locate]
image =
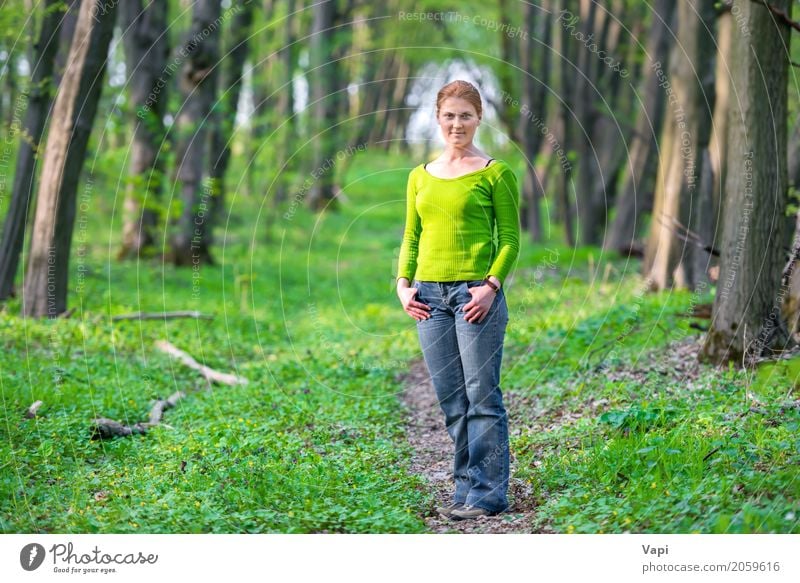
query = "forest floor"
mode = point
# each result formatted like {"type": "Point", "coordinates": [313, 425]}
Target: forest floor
{"type": "Point", "coordinates": [614, 426]}
{"type": "Point", "coordinates": [433, 459]}
{"type": "Point", "coordinates": [433, 448]}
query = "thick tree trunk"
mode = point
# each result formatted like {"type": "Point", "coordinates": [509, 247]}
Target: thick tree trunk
{"type": "Point", "coordinates": [669, 260]}
{"type": "Point", "coordinates": [146, 51]}
{"type": "Point", "coordinates": [39, 98]}
{"type": "Point", "coordinates": [198, 86]}
{"type": "Point", "coordinates": [746, 321]}
{"type": "Point", "coordinates": [637, 192]}
{"type": "Point", "coordinates": [45, 292]}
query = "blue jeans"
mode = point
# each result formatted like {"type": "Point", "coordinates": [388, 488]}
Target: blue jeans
{"type": "Point", "coordinates": [463, 360]}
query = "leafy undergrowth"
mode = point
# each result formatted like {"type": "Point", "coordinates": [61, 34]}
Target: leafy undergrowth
{"type": "Point", "coordinates": [626, 432]}
{"type": "Point", "coordinates": [610, 436]}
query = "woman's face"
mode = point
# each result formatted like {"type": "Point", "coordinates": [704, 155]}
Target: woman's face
{"type": "Point", "coordinates": [458, 120]}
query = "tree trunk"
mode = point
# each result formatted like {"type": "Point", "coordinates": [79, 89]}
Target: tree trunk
{"type": "Point", "coordinates": [45, 292]}
{"type": "Point", "coordinates": [567, 70]}
{"type": "Point", "coordinates": [39, 98]}
{"type": "Point", "coordinates": [637, 192]}
{"type": "Point", "coordinates": [791, 304]}
{"type": "Point", "coordinates": [288, 57]}
{"type": "Point", "coordinates": [146, 50]}
{"type": "Point", "coordinates": [535, 77]}
{"type": "Point", "coordinates": [718, 145]}
{"type": "Point", "coordinates": [198, 85]}
{"type": "Point", "coordinates": [388, 78]}
{"type": "Point", "coordinates": [222, 133]}
{"type": "Point", "coordinates": [507, 72]}
{"type": "Point", "coordinates": [589, 214]}
{"type": "Point", "coordinates": [396, 104]}
{"type": "Point", "coordinates": [746, 321]}
{"type": "Point", "coordinates": [670, 260]}
{"type": "Point", "coordinates": [326, 94]}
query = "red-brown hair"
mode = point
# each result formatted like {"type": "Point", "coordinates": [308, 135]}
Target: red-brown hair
{"type": "Point", "coordinates": [462, 89]}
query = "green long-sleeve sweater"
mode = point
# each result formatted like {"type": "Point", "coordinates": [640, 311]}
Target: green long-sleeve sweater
{"type": "Point", "coordinates": [450, 225]}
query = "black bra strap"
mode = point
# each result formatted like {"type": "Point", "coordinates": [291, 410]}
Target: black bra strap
{"type": "Point", "coordinates": [487, 163]}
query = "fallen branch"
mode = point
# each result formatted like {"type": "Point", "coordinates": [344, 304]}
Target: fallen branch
{"type": "Point", "coordinates": [157, 412]}
{"type": "Point", "coordinates": [163, 315]}
{"type": "Point", "coordinates": [31, 412]}
{"type": "Point", "coordinates": [103, 428]}
{"type": "Point", "coordinates": [209, 374]}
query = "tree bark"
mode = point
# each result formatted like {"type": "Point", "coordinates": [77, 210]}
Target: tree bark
{"type": "Point", "coordinates": [718, 144]}
{"type": "Point", "coordinates": [45, 292]}
{"type": "Point", "coordinates": [507, 73]}
{"type": "Point", "coordinates": [39, 98]}
{"type": "Point", "coordinates": [326, 94]}
{"type": "Point", "coordinates": [746, 322]}
{"type": "Point", "coordinates": [146, 50]}
{"type": "Point", "coordinates": [224, 119]}
{"type": "Point", "coordinates": [198, 86]}
{"type": "Point", "coordinates": [589, 214]}
{"type": "Point", "coordinates": [637, 192]}
{"type": "Point", "coordinates": [668, 259]}
{"type": "Point", "coordinates": [567, 70]}
{"type": "Point", "coordinates": [535, 77]}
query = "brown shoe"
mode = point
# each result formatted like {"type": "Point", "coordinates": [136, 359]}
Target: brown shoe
{"type": "Point", "coordinates": [446, 511]}
{"type": "Point", "coordinates": [470, 512]}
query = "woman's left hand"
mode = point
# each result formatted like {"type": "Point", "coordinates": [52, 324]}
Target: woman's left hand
{"type": "Point", "coordinates": [482, 299]}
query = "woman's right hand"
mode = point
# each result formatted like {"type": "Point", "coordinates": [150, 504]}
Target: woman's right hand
{"type": "Point", "coordinates": [413, 308]}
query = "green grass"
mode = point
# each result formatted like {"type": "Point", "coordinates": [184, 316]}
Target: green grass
{"type": "Point", "coordinates": [306, 310]}
{"type": "Point", "coordinates": [655, 453]}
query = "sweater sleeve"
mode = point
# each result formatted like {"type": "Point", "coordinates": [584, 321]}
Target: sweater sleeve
{"type": "Point", "coordinates": [505, 200]}
{"type": "Point", "coordinates": [407, 263]}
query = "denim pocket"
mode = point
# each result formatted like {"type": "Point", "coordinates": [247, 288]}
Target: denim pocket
{"type": "Point", "coordinates": [418, 284]}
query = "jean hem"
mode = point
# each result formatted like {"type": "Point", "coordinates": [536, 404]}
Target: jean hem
{"type": "Point", "coordinates": [503, 509]}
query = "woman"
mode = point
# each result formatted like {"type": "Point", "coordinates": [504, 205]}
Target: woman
{"type": "Point", "coordinates": [450, 280]}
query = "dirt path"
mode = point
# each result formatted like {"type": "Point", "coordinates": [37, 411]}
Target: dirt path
{"type": "Point", "coordinates": [433, 458]}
